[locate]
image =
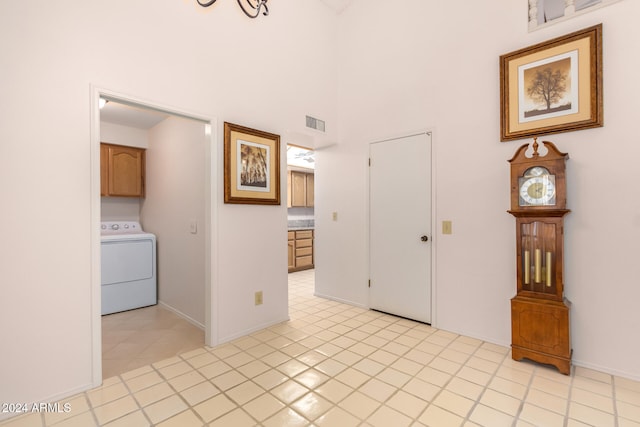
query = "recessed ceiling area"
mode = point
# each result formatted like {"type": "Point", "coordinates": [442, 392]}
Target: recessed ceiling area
{"type": "Point", "coordinates": [129, 115]}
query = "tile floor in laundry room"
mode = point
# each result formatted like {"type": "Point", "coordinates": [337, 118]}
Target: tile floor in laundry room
{"type": "Point", "coordinates": [135, 338]}
{"type": "Point", "coordinates": [334, 364]}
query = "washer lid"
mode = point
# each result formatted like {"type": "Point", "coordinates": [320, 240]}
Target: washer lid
{"type": "Point", "coordinates": [127, 237]}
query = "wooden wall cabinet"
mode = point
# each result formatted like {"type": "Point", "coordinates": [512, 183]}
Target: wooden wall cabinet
{"type": "Point", "coordinates": [310, 183]}
{"type": "Point", "coordinates": [122, 171]}
{"type": "Point", "coordinates": [300, 246]}
{"type": "Point", "coordinates": [300, 189]}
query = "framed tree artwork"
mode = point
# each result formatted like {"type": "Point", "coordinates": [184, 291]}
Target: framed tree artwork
{"type": "Point", "coordinates": [251, 166]}
{"type": "Point", "coordinates": [552, 87]}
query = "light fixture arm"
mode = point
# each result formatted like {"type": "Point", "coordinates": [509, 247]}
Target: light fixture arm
{"type": "Point", "coordinates": [256, 5]}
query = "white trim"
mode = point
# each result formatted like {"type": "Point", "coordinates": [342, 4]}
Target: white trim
{"type": "Point", "coordinates": [434, 232]}
{"type": "Point", "coordinates": [178, 313]}
{"type": "Point", "coordinates": [94, 249]}
{"type": "Point", "coordinates": [605, 369]}
{"type": "Point", "coordinates": [340, 300]}
{"type": "Point", "coordinates": [210, 229]}
{"type": "Point", "coordinates": [250, 331]}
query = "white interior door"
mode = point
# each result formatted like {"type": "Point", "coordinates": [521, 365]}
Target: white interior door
{"type": "Point", "coordinates": [400, 227]}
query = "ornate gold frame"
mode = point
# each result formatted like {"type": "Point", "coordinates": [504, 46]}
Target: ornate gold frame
{"type": "Point", "coordinates": [251, 166]}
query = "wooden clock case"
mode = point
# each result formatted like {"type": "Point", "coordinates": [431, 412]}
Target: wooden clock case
{"type": "Point", "coordinates": [539, 311]}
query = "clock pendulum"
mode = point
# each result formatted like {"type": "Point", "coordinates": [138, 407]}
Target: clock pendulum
{"type": "Point", "coordinates": [539, 311]}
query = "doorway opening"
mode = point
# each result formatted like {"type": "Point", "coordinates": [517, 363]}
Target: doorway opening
{"type": "Point", "coordinates": [300, 208]}
{"type": "Point", "coordinates": [177, 207]}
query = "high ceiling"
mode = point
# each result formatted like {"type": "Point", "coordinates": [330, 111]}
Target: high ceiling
{"type": "Point", "coordinates": [337, 5]}
{"type": "Point", "coordinates": [142, 118]}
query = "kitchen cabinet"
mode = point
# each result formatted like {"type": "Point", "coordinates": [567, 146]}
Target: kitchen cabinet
{"type": "Point", "coordinates": [291, 249]}
{"type": "Point", "coordinates": [122, 171]}
{"type": "Point", "coordinates": [300, 189]}
{"type": "Point", "coordinates": [309, 182]}
{"type": "Point", "coordinates": [300, 246]}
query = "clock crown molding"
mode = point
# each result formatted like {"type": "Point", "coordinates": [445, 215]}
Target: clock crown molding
{"type": "Point", "coordinates": [554, 163]}
{"type": "Point", "coordinates": [552, 153]}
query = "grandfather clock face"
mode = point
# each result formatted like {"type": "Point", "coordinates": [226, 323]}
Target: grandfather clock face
{"type": "Point", "coordinates": [537, 187]}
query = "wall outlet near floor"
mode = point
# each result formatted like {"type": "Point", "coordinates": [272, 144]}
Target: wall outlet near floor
{"type": "Point", "coordinates": [258, 298]}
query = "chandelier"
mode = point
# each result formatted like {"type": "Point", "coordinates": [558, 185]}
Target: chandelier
{"type": "Point", "coordinates": [252, 11]}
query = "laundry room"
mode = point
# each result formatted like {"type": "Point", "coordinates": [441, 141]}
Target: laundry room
{"type": "Point", "coordinates": [163, 155]}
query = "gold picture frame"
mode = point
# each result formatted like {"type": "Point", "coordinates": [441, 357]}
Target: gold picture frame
{"type": "Point", "coordinates": [552, 87]}
{"type": "Point", "coordinates": [251, 166]}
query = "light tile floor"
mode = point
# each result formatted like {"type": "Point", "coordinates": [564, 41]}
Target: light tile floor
{"type": "Point", "coordinates": [140, 337]}
{"type": "Point", "coordinates": [334, 364]}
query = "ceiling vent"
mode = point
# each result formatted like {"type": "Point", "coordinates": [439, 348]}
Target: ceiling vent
{"type": "Point", "coordinates": [314, 123]}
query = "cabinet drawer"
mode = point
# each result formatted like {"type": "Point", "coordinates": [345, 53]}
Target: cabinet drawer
{"type": "Point", "coordinates": [304, 234]}
{"type": "Point", "coordinates": [291, 235]}
{"type": "Point", "coordinates": [304, 261]}
{"type": "Point", "coordinates": [304, 251]}
{"type": "Point", "coordinates": [304, 243]}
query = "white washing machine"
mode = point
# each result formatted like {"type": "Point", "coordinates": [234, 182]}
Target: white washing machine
{"type": "Point", "coordinates": [128, 267]}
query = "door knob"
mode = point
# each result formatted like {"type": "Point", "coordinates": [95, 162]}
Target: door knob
{"type": "Point", "coordinates": [424, 238]}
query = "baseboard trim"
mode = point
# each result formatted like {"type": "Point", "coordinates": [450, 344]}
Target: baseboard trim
{"type": "Point", "coordinates": [246, 332]}
{"type": "Point", "coordinates": [343, 301]}
{"type": "Point", "coordinates": [181, 314]}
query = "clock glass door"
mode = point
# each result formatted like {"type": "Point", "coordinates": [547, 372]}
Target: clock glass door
{"type": "Point", "coordinates": [538, 257]}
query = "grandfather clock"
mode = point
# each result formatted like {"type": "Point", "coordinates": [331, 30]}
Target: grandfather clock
{"type": "Point", "coordinates": [539, 311]}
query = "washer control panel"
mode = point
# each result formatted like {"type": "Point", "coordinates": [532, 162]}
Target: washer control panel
{"type": "Point", "coordinates": [120, 227]}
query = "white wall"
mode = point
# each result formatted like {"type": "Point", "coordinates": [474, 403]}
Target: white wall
{"type": "Point", "coordinates": [175, 197]}
{"type": "Point", "coordinates": [112, 133]}
{"type": "Point", "coordinates": [265, 73]}
{"type": "Point", "coordinates": [434, 65]}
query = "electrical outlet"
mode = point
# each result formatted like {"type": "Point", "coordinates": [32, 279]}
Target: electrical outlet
{"type": "Point", "coordinates": [258, 298]}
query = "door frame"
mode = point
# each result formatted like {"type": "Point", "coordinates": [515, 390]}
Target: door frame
{"type": "Point", "coordinates": [210, 222]}
{"type": "Point", "coordinates": [434, 231]}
